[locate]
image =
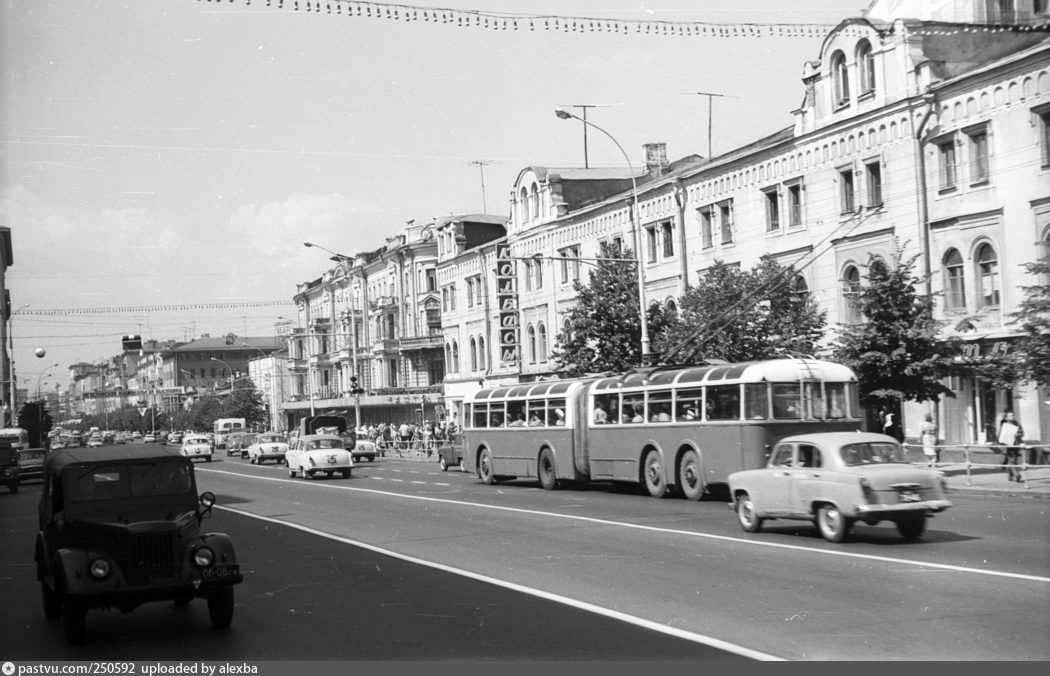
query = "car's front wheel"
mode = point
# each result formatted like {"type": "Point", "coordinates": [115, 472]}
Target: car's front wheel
{"type": "Point", "coordinates": [833, 525]}
{"type": "Point", "coordinates": [220, 607]}
{"type": "Point", "coordinates": [442, 464]}
{"type": "Point", "coordinates": [747, 515]}
{"type": "Point", "coordinates": [304, 473]}
{"type": "Point", "coordinates": [912, 529]}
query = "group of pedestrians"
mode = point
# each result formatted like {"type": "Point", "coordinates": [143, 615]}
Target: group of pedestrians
{"type": "Point", "coordinates": [410, 436]}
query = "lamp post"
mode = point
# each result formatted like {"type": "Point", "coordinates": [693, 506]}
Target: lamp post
{"type": "Point", "coordinates": [41, 376]}
{"type": "Point", "coordinates": [228, 368]}
{"type": "Point", "coordinates": [566, 115]}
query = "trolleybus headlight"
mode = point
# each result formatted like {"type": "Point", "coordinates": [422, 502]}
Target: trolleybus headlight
{"type": "Point", "coordinates": [99, 569]}
{"type": "Point", "coordinates": [203, 557]}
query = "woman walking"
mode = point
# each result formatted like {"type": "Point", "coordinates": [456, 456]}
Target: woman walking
{"type": "Point", "coordinates": [929, 440]}
{"type": "Point", "coordinates": [1010, 436]}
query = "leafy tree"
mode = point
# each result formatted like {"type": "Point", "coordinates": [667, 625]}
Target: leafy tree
{"type": "Point", "coordinates": [896, 352]}
{"type": "Point", "coordinates": [604, 328]}
{"type": "Point", "coordinates": [1033, 350]}
{"type": "Point", "coordinates": [35, 419]}
{"type": "Point", "coordinates": [743, 315]}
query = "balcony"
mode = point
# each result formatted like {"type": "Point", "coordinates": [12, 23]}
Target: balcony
{"type": "Point", "coordinates": [383, 302]}
{"type": "Point", "coordinates": [431, 342]}
{"type": "Point", "coordinates": [386, 346]}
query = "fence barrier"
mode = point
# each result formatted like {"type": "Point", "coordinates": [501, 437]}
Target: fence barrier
{"type": "Point", "coordinates": [964, 454]}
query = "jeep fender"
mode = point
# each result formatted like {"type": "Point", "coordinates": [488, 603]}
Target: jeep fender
{"type": "Point", "coordinates": [71, 565]}
{"type": "Point", "coordinates": [222, 545]}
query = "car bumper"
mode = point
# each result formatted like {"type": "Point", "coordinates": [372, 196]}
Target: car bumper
{"type": "Point", "coordinates": [903, 509]}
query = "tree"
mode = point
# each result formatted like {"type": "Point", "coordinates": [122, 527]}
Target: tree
{"type": "Point", "coordinates": [604, 329]}
{"type": "Point", "coordinates": [35, 419]}
{"type": "Point", "coordinates": [895, 351]}
{"type": "Point", "coordinates": [1033, 350]}
{"type": "Point", "coordinates": [743, 315]}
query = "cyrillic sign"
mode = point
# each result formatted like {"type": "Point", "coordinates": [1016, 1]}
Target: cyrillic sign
{"type": "Point", "coordinates": [507, 302]}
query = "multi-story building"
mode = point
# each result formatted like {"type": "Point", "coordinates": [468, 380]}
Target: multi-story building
{"type": "Point", "coordinates": [375, 317]}
{"type": "Point", "coordinates": [923, 125]}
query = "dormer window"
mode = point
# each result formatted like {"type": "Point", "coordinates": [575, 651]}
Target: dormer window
{"type": "Point", "coordinates": [840, 79]}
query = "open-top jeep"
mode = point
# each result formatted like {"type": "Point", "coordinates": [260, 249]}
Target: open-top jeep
{"type": "Point", "coordinates": [121, 526]}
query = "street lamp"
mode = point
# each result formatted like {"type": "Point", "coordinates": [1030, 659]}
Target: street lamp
{"type": "Point", "coordinates": [40, 377]}
{"type": "Point", "coordinates": [228, 368]}
{"type": "Point", "coordinates": [566, 115]}
{"type": "Point", "coordinates": [335, 256]}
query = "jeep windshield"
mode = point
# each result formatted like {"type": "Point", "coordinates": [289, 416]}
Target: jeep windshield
{"type": "Point", "coordinates": [131, 482]}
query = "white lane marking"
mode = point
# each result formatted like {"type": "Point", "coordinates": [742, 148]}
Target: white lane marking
{"type": "Point", "coordinates": [657, 529]}
{"type": "Point", "coordinates": [539, 593]}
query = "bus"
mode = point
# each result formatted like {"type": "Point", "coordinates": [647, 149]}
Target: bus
{"type": "Point", "coordinates": [223, 427]}
{"type": "Point", "coordinates": [15, 437]}
{"type": "Point", "coordinates": [680, 428]}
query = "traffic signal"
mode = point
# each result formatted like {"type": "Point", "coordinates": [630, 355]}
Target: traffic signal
{"type": "Point", "coordinates": [130, 343]}
{"type": "Point", "coordinates": [354, 387]}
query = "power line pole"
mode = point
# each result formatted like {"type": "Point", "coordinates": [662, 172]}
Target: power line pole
{"type": "Point", "coordinates": [710, 97]}
{"type": "Point", "coordinates": [583, 118]}
{"type": "Point", "coordinates": [481, 167]}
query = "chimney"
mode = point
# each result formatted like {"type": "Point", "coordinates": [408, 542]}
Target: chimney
{"type": "Point", "coordinates": [656, 158]}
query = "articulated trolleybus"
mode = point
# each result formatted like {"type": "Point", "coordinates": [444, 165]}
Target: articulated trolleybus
{"type": "Point", "coordinates": [685, 428]}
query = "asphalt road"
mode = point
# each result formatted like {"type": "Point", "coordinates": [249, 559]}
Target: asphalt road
{"type": "Point", "coordinates": [466, 563]}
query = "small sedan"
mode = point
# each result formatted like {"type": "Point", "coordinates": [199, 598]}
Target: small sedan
{"type": "Point", "coordinates": [94, 442]}
{"type": "Point", "coordinates": [149, 439]}
{"type": "Point", "coordinates": [196, 446]}
{"type": "Point", "coordinates": [836, 479]}
{"type": "Point", "coordinates": [315, 454]}
{"type": "Point", "coordinates": [31, 463]}
{"type": "Point", "coordinates": [364, 448]}
{"type": "Point", "coordinates": [267, 446]}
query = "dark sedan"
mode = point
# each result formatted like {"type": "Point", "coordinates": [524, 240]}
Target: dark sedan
{"type": "Point", "coordinates": [31, 463]}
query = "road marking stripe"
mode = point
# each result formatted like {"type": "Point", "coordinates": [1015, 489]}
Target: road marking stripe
{"type": "Point", "coordinates": [658, 529]}
{"type": "Point", "coordinates": [539, 593]}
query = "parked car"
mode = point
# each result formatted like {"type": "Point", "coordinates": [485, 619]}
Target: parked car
{"type": "Point", "coordinates": [120, 527]}
{"type": "Point", "coordinates": [267, 446]}
{"type": "Point", "coordinates": [149, 439]}
{"type": "Point", "coordinates": [196, 446]}
{"type": "Point", "coordinates": [315, 454]}
{"type": "Point", "coordinates": [9, 467]}
{"type": "Point", "coordinates": [364, 448]}
{"type": "Point", "coordinates": [94, 442]}
{"type": "Point", "coordinates": [31, 463]}
{"type": "Point", "coordinates": [836, 479]}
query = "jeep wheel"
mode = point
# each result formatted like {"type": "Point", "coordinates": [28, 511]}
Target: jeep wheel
{"type": "Point", "coordinates": [52, 602]}
{"type": "Point", "coordinates": [220, 607]}
{"type": "Point", "coordinates": [76, 623]}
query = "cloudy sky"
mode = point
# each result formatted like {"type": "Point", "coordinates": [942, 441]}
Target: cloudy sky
{"type": "Point", "coordinates": [164, 160]}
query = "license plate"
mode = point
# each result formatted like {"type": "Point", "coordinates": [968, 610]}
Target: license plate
{"type": "Point", "coordinates": [221, 571]}
{"type": "Point", "coordinates": [331, 460]}
{"type": "Point", "coordinates": [910, 496]}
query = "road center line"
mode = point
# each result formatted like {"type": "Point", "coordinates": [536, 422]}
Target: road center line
{"type": "Point", "coordinates": [657, 529]}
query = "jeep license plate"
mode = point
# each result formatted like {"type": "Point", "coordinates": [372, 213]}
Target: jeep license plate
{"type": "Point", "coordinates": [225, 570]}
{"type": "Point", "coordinates": [910, 496]}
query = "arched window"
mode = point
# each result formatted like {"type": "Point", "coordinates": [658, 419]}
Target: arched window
{"type": "Point", "coordinates": [523, 205]}
{"type": "Point", "coordinates": [800, 289]}
{"type": "Point", "coordinates": [987, 277]}
{"type": "Point", "coordinates": [534, 203]}
{"type": "Point", "coordinates": [541, 342]}
{"type": "Point", "coordinates": [531, 344]}
{"type": "Point", "coordinates": [448, 358]}
{"type": "Point", "coordinates": [671, 307]}
{"type": "Point", "coordinates": [840, 78]}
{"type": "Point", "coordinates": [954, 281]}
{"type": "Point", "coordinates": [865, 67]}
{"type": "Point", "coordinates": [473, 354]}
{"type": "Point", "coordinates": [455, 357]}
{"type": "Point", "coordinates": [482, 356]}
{"type": "Point", "coordinates": [850, 291]}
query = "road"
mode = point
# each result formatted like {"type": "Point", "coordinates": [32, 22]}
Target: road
{"type": "Point", "coordinates": [403, 561]}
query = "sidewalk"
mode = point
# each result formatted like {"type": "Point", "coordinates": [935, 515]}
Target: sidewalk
{"type": "Point", "coordinates": [994, 481]}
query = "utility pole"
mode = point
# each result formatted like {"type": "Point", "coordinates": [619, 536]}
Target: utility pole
{"type": "Point", "coordinates": [710, 97]}
{"type": "Point", "coordinates": [583, 118]}
{"type": "Point", "coordinates": [481, 167]}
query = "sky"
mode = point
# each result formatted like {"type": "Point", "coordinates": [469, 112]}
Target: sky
{"type": "Point", "coordinates": [163, 161]}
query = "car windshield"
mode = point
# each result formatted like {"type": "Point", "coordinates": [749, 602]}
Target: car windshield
{"type": "Point", "coordinates": [271, 439]}
{"type": "Point", "coordinates": [196, 440]}
{"type": "Point", "coordinates": [871, 453]}
{"type": "Point", "coordinates": [324, 443]}
{"type": "Point", "coordinates": [110, 482]}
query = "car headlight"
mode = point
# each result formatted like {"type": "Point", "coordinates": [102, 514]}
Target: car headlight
{"type": "Point", "coordinates": [203, 557]}
{"type": "Point", "coordinates": [99, 569]}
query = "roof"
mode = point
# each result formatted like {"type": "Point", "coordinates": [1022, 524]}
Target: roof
{"type": "Point", "coordinates": [839, 438]}
{"type": "Point", "coordinates": [239, 344]}
{"type": "Point", "coordinates": [56, 460]}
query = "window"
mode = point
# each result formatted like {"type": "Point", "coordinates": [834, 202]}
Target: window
{"type": "Point", "coordinates": [946, 163]}
{"type": "Point", "coordinates": [847, 193]}
{"type": "Point", "coordinates": [794, 198]}
{"type": "Point", "coordinates": [570, 263]}
{"type": "Point", "coordinates": [840, 78]}
{"type": "Point", "coordinates": [1000, 11]}
{"type": "Point", "coordinates": [455, 356]}
{"type": "Point", "coordinates": [772, 200]}
{"type": "Point", "coordinates": [431, 280]}
{"type": "Point", "coordinates": [538, 280]}
{"type": "Point", "coordinates": [1042, 122]}
{"type": "Point", "coordinates": [873, 172]}
{"type": "Point", "coordinates": [987, 276]}
{"type": "Point", "coordinates": [850, 291]}
{"type": "Point", "coordinates": [800, 290]}
{"type": "Point", "coordinates": [978, 150]}
{"type": "Point", "coordinates": [482, 358]}
{"type": "Point", "coordinates": [954, 281]}
{"type": "Point", "coordinates": [667, 236]}
{"type": "Point", "coordinates": [725, 220]}
{"type": "Point", "coordinates": [473, 354]}
{"type": "Point", "coordinates": [866, 67]}
{"type": "Point", "coordinates": [650, 238]}
{"type": "Point", "coordinates": [706, 228]}
{"type": "Point", "coordinates": [541, 342]}
{"type": "Point", "coordinates": [472, 284]}
{"type": "Point", "coordinates": [532, 344]}
{"type": "Point", "coordinates": [528, 273]}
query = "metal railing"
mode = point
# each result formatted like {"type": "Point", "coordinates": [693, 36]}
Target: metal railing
{"type": "Point", "coordinates": [948, 455]}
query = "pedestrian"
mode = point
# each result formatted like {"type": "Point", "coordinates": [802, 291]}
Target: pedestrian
{"type": "Point", "coordinates": [1010, 436]}
{"type": "Point", "coordinates": [929, 441]}
{"type": "Point", "coordinates": [890, 426]}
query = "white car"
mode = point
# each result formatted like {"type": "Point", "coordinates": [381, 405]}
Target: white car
{"type": "Point", "coordinates": [267, 446]}
{"type": "Point", "coordinates": [196, 446]}
{"type": "Point", "coordinates": [316, 454]}
{"type": "Point", "coordinates": [364, 448]}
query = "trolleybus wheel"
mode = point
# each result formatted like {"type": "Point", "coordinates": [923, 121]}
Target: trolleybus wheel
{"type": "Point", "coordinates": [653, 471]}
{"type": "Point", "coordinates": [485, 472]}
{"type": "Point", "coordinates": [690, 481]}
{"type": "Point", "coordinates": [545, 470]}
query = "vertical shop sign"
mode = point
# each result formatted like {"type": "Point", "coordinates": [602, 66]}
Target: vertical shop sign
{"type": "Point", "coordinates": [507, 301]}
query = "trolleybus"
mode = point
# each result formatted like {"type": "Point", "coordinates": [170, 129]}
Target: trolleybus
{"type": "Point", "coordinates": [684, 428]}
